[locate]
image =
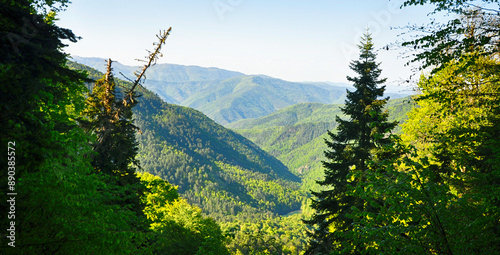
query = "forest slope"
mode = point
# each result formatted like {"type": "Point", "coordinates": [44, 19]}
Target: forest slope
{"type": "Point", "coordinates": [225, 96]}
{"type": "Point", "coordinates": [215, 168]}
{"type": "Point", "coordinates": [295, 135]}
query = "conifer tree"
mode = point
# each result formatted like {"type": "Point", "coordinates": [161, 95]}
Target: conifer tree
{"type": "Point", "coordinates": [115, 153]}
{"type": "Point", "coordinates": [115, 146]}
{"type": "Point", "coordinates": [109, 117]}
{"type": "Point", "coordinates": [61, 206]}
{"type": "Point", "coordinates": [349, 151]}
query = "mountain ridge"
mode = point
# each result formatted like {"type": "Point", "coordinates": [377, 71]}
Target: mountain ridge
{"type": "Point", "coordinates": [225, 96]}
{"type": "Point", "coordinates": [160, 71]}
{"type": "Point", "coordinates": [215, 168]}
{"type": "Point", "coordinates": [295, 135]}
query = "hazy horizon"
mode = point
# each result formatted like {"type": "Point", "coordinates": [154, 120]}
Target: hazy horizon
{"type": "Point", "coordinates": [295, 40]}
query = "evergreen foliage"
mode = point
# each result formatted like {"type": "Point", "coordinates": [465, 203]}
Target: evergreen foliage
{"type": "Point", "coordinates": [349, 151]}
{"type": "Point", "coordinates": [32, 77]}
{"type": "Point", "coordinates": [432, 192]}
{"type": "Point", "coordinates": [74, 150]}
{"type": "Point", "coordinates": [115, 148]}
{"type": "Point", "coordinates": [62, 206]}
{"type": "Point", "coordinates": [112, 124]}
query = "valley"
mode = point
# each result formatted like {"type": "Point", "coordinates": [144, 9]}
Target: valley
{"type": "Point", "coordinates": [168, 159]}
{"type": "Point", "coordinates": [295, 135]}
{"type": "Point", "coordinates": [254, 171]}
{"type": "Point", "coordinates": [226, 96]}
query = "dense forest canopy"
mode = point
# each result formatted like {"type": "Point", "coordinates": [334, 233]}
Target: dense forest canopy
{"type": "Point", "coordinates": [98, 165]}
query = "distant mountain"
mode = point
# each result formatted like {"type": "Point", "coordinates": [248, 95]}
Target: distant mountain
{"type": "Point", "coordinates": [245, 97]}
{"type": "Point", "coordinates": [330, 85]}
{"type": "Point", "coordinates": [215, 168]}
{"type": "Point", "coordinates": [293, 115]}
{"type": "Point", "coordinates": [334, 85]}
{"type": "Point", "coordinates": [162, 72]}
{"type": "Point", "coordinates": [295, 135]}
{"type": "Point", "coordinates": [225, 96]}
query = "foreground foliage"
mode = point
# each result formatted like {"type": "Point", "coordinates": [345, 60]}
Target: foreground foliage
{"type": "Point", "coordinates": [435, 191]}
{"type": "Point", "coordinates": [62, 205]}
{"type": "Point", "coordinates": [350, 149]}
{"type": "Point", "coordinates": [179, 227]}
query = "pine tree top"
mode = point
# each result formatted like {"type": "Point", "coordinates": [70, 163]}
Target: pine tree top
{"type": "Point", "coordinates": [366, 66]}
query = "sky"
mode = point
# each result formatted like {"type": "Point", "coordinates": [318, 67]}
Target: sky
{"type": "Point", "coordinates": [293, 40]}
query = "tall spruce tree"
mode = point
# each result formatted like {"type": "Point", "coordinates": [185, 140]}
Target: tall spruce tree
{"type": "Point", "coordinates": [349, 151]}
{"type": "Point", "coordinates": [61, 206]}
{"type": "Point", "coordinates": [115, 148]}
{"type": "Point", "coordinates": [112, 123]}
{"type": "Point", "coordinates": [109, 117]}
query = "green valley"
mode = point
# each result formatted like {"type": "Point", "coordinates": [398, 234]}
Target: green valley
{"type": "Point", "coordinates": [295, 135]}
{"type": "Point", "coordinates": [229, 177]}
{"type": "Point", "coordinates": [226, 96]}
{"type": "Point", "coordinates": [164, 159]}
{"type": "Point", "coordinates": [213, 167]}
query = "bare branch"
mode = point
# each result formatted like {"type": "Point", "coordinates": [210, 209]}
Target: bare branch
{"type": "Point", "coordinates": [483, 8]}
{"type": "Point", "coordinates": [153, 57]}
{"type": "Point", "coordinates": [128, 79]}
{"type": "Point", "coordinates": [128, 98]}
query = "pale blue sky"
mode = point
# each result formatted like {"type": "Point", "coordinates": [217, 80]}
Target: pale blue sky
{"type": "Point", "coordinates": [294, 40]}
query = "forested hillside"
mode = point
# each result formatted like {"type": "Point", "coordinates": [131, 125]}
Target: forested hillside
{"type": "Point", "coordinates": [226, 175]}
{"type": "Point", "coordinates": [220, 171]}
{"type": "Point", "coordinates": [95, 164]}
{"type": "Point", "coordinates": [295, 135]}
{"type": "Point", "coordinates": [227, 96]}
